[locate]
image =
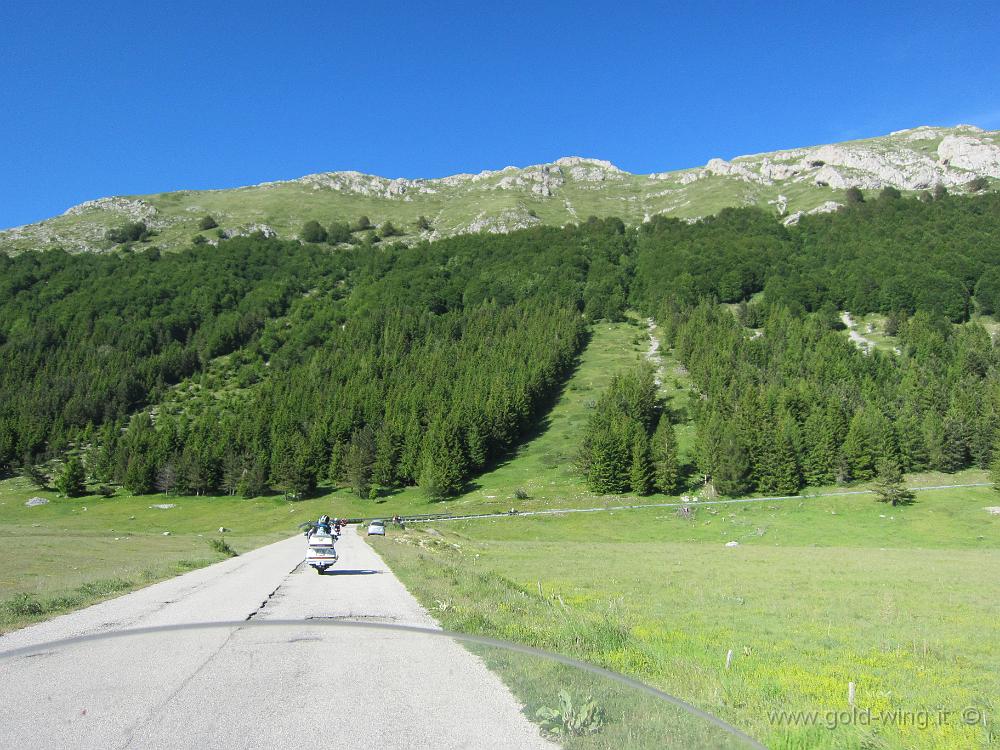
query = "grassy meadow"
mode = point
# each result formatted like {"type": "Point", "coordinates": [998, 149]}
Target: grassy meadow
{"type": "Point", "coordinates": [819, 593]}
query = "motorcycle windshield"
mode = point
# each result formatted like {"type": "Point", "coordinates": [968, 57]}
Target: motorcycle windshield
{"type": "Point", "coordinates": [261, 683]}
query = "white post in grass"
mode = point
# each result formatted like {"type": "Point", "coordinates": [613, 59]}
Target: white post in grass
{"type": "Point", "coordinates": [850, 693]}
{"type": "Point", "coordinates": [729, 659]}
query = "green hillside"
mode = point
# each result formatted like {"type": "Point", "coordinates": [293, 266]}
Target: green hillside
{"type": "Point", "coordinates": [787, 183]}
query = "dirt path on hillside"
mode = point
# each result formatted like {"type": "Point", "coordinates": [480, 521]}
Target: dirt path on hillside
{"type": "Point", "coordinates": [653, 353]}
{"type": "Point", "coordinates": [866, 345]}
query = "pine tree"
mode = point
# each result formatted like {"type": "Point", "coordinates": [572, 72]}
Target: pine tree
{"type": "Point", "coordinates": [140, 474]}
{"type": "Point", "coordinates": [731, 475]}
{"type": "Point", "coordinates": [641, 470]}
{"type": "Point", "coordinates": [955, 447]}
{"type": "Point", "coordinates": [712, 432]}
{"type": "Point", "coordinates": [859, 448]}
{"type": "Point", "coordinates": [995, 466]}
{"type": "Point", "coordinates": [193, 472]}
{"type": "Point", "coordinates": [933, 438]}
{"type": "Point", "coordinates": [443, 471]}
{"type": "Point", "coordinates": [665, 460]}
{"type": "Point", "coordinates": [292, 469]}
{"type": "Point", "coordinates": [233, 469]}
{"type": "Point", "coordinates": [475, 446]}
{"type": "Point", "coordinates": [335, 469]}
{"type": "Point", "coordinates": [72, 479]}
{"type": "Point", "coordinates": [781, 473]}
{"type": "Point", "coordinates": [889, 487]}
{"type": "Point", "coordinates": [822, 436]}
{"type": "Point", "coordinates": [360, 461]}
{"type": "Point", "coordinates": [387, 452]}
{"type": "Point", "coordinates": [608, 464]}
{"type": "Point", "coordinates": [34, 474]}
{"type": "Point", "coordinates": [913, 451]}
{"type": "Point", "coordinates": [253, 482]}
{"type": "Point", "coordinates": [413, 444]}
{"type": "Point", "coordinates": [103, 461]}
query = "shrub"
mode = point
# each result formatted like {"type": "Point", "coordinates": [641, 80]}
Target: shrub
{"type": "Point", "coordinates": [338, 232]}
{"type": "Point", "coordinates": [23, 605]}
{"type": "Point", "coordinates": [222, 547]}
{"type": "Point", "coordinates": [424, 224]}
{"type": "Point", "coordinates": [521, 494]}
{"type": "Point", "coordinates": [363, 223]}
{"type": "Point", "coordinates": [312, 231]}
{"type": "Point", "coordinates": [105, 491]}
{"type": "Point", "coordinates": [389, 230]}
{"type": "Point", "coordinates": [977, 185]}
{"type": "Point", "coordinates": [198, 239]}
{"type": "Point", "coordinates": [133, 231]}
{"type": "Point", "coordinates": [854, 196]}
{"type": "Point", "coordinates": [207, 222]}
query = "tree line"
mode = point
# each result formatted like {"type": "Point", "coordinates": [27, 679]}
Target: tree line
{"type": "Point", "coordinates": [383, 366]}
{"type": "Point", "coordinates": [795, 402]}
{"type": "Point", "coordinates": [629, 444]}
{"type": "Point", "coordinates": [374, 368]}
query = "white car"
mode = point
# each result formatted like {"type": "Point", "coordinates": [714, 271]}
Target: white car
{"type": "Point", "coordinates": [376, 528]}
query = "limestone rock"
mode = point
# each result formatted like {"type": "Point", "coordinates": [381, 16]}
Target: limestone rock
{"type": "Point", "coordinates": [973, 154]}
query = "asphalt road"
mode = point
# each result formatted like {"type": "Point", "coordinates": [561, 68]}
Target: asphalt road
{"type": "Point", "coordinates": [302, 686]}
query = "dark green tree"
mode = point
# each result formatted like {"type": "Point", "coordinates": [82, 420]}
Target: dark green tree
{"type": "Point", "coordinates": [253, 482]}
{"type": "Point", "coordinates": [34, 474]}
{"type": "Point", "coordinates": [313, 231]}
{"type": "Point", "coordinates": [665, 457]}
{"type": "Point", "coordinates": [338, 232]}
{"type": "Point", "coordinates": [609, 464]}
{"type": "Point", "coordinates": [732, 471]}
{"type": "Point", "coordinates": [889, 487]}
{"type": "Point", "coordinates": [988, 291]}
{"type": "Point", "coordinates": [641, 472]}
{"type": "Point", "coordinates": [336, 471]}
{"type": "Point", "coordinates": [443, 463]}
{"type": "Point", "coordinates": [140, 474]}
{"type": "Point", "coordinates": [359, 463]}
{"type": "Point", "coordinates": [71, 480]}
{"type": "Point", "coordinates": [977, 184]}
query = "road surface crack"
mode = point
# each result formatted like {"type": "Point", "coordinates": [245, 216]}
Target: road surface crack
{"type": "Point", "coordinates": [130, 738]}
{"type": "Point", "coordinates": [271, 595]}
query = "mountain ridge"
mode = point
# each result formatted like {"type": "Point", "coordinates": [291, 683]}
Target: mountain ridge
{"type": "Point", "coordinates": [791, 182]}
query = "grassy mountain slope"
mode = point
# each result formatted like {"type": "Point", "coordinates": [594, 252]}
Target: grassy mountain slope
{"type": "Point", "coordinates": [790, 182]}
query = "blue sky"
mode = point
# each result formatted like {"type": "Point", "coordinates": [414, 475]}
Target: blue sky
{"type": "Point", "coordinates": [106, 98]}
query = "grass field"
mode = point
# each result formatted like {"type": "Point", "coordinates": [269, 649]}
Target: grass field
{"type": "Point", "coordinates": [819, 593]}
{"type": "Point", "coordinates": [74, 552]}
